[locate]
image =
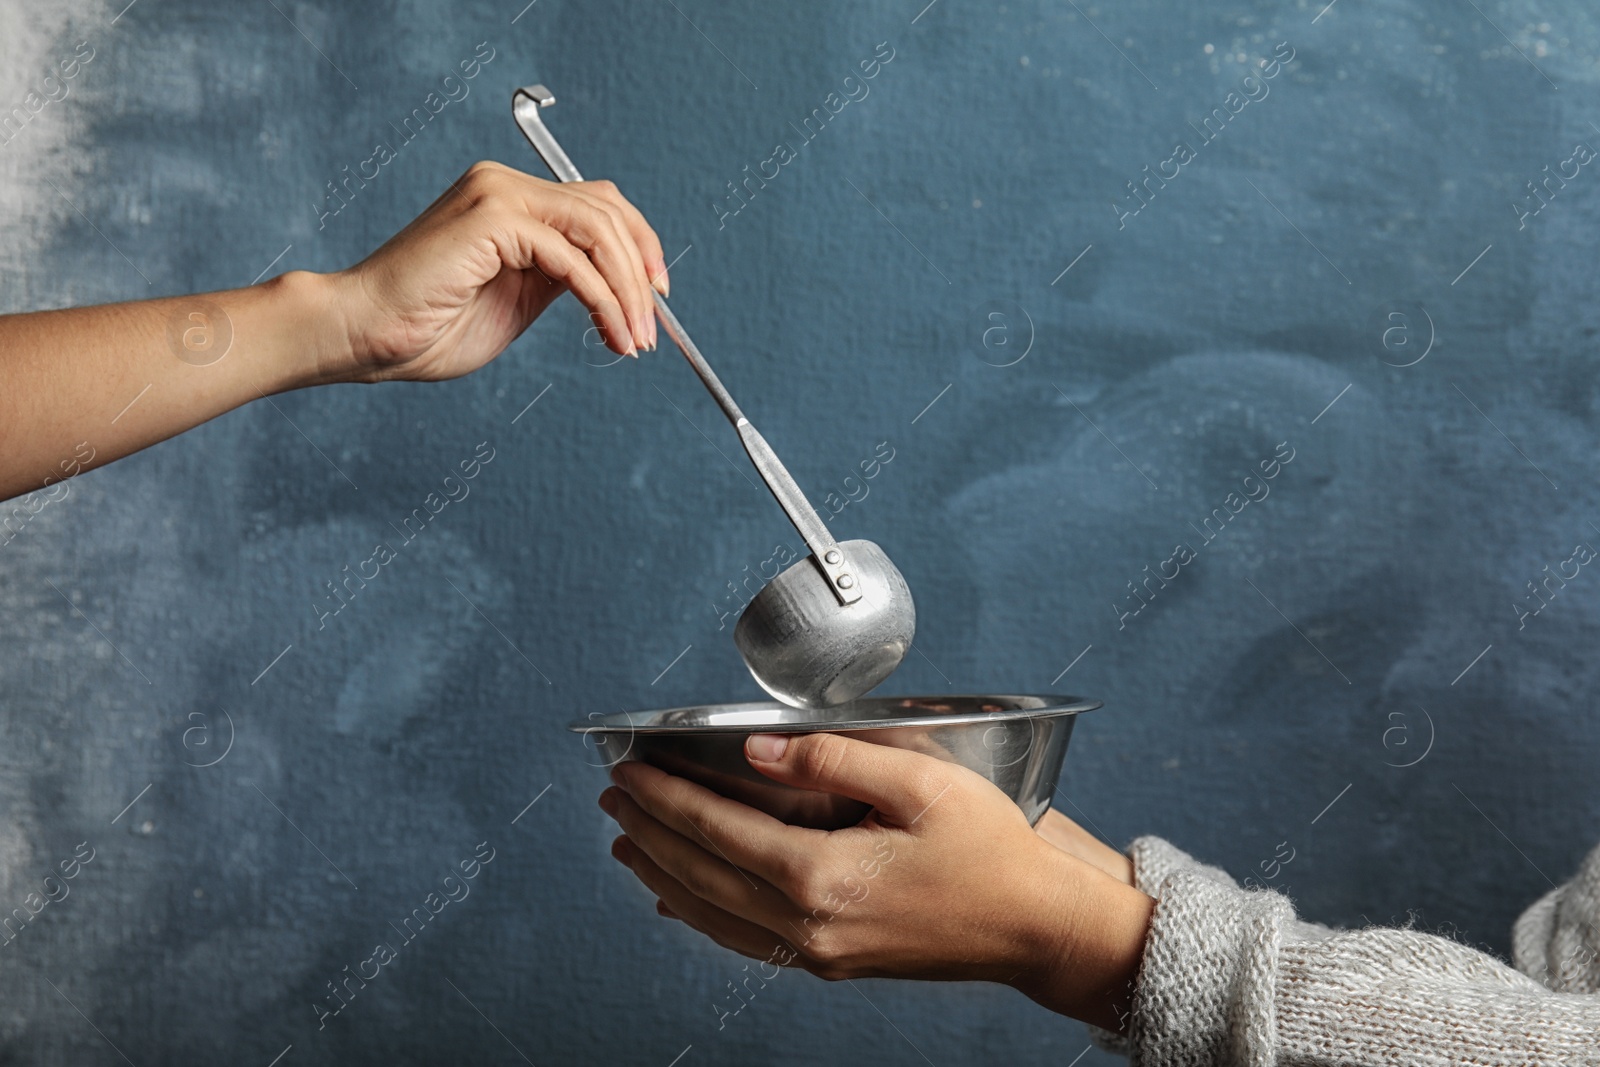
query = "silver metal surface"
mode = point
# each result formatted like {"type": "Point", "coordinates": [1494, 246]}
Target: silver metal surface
{"type": "Point", "coordinates": [1016, 742]}
{"type": "Point", "coordinates": [809, 649]}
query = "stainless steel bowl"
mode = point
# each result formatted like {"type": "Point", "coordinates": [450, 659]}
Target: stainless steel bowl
{"type": "Point", "coordinates": [1016, 742]}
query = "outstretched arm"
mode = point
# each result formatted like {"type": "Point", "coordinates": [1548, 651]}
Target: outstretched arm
{"type": "Point", "coordinates": [82, 387]}
{"type": "Point", "coordinates": [945, 880]}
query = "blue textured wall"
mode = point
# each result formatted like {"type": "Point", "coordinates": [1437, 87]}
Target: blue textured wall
{"type": "Point", "coordinates": [1305, 654]}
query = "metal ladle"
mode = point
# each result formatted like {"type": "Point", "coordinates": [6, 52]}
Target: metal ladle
{"type": "Point", "coordinates": [831, 626]}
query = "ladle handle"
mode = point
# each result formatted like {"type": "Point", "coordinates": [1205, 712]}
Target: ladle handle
{"type": "Point", "coordinates": [825, 551]}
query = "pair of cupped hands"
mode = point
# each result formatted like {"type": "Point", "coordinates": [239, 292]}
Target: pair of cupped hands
{"type": "Point", "coordinates": [944, 879]}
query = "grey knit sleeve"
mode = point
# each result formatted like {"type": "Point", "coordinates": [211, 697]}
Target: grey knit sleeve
{"type": "Point", "coordinates": [1230, 977]}
{"type": "Point", "coordinates": [1557, 941]}
{"type": "Point", "coordinates": [1154, 860]}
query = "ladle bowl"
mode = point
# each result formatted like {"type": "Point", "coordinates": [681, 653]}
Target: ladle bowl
{"type": "Point", "coordinates": [808, 650]}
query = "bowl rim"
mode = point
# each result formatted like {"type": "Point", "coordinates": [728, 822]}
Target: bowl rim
{"type": "Point", "coordinates": [625, 722]}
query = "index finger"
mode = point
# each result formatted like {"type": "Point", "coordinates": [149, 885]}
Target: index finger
{"type": "Point", "coordinates": [748, 838]}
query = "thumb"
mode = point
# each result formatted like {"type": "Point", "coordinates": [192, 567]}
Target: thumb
{"type": "Point", "coordinates": [902, 785]}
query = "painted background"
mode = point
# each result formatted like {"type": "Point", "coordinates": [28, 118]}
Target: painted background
{"type": "Point", "coordinates": [1068, 390]}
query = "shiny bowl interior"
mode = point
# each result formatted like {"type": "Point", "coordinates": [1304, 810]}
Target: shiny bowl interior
{"type": "Point", "coordinates": [1017, 742]}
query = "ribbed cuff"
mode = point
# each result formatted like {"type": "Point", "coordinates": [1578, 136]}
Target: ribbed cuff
{"type": "Point", "coordinates": [1205, 992]}
{"type": "Point", "coordinates": [1154, 863]}
{"type": "Point", "coordinates": [1154, 859]}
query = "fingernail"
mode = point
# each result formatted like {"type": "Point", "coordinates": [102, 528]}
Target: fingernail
{"type": "Point", "coordinates": [619, 850]}
{"type": "Point", "coordinates": [618, 777]}
{"type": "Point", "coordinates": [652, 333]}
{"type": "Point", "coordinates": [658, 271]}
{"type": "Point", "coordinates": [766, 748]}
{"type": "Point", "coordinates": [608, 802]}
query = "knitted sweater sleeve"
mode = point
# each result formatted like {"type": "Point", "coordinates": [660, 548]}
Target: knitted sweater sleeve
{"type": "Point", "coordinates": [1230, 976]}
{"type": "Point", "coordinates": [1557, 940]}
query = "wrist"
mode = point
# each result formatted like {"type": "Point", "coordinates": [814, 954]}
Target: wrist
{"type": "Point", "coordinates": [305, 316]}
{"type": "Point", "coordinates": [1086, 933]}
